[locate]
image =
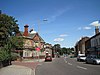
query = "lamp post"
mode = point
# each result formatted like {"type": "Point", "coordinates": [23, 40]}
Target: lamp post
{"type": "Point", "coordinates": [38, 49]}
{"type": "Point", "coordinates": [39, 24]}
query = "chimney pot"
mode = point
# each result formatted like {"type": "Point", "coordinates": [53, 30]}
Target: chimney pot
{"type": "Point", "coordinates": [96, 29]}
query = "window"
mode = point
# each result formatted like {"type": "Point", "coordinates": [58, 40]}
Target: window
{"type": "Point", "coordinates": [96, 42]}
{"type": "Point", "coordinates": [26, 54]}
{"type": "Point", "coordinates": [99, 41]}
{"type": "Point", "coordinates": [98, 55]}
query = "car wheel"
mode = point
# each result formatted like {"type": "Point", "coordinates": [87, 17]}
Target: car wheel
{"type": "Point", "coordinates": [86, 62]}
{"type": "Point", "coordinates": [78, 60]}
{"type": "Point", "coordinates": [94, 62]}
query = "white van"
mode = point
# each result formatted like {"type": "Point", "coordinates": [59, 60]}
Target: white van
{"type": "Point", "coordinates": [81, 57]}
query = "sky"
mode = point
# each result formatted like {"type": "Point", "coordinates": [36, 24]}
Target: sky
{"type": "Point", "coordinates": [57, 21]}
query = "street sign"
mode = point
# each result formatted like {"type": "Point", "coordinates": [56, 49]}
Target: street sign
{"type": "Point", "coordinates": [38, 49]}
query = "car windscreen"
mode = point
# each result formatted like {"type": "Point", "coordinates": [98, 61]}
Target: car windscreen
{"type": "Point", "coordinates": [82, 56]}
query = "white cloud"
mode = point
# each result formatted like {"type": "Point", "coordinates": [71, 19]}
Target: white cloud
{"type": "Point", "coordinates": [86, 28]}
{"type": "Point", "coordinates": [57, 14]}
{"type": "Point", "coordinates": [58, 39]}
{"type": "Point", "coordinates": [95, 23]}
{"type": "Point", "coordinates": [63, 35]}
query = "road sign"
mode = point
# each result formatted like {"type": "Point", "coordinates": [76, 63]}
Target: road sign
{"type": "Point", "coordinates": [38, 49]}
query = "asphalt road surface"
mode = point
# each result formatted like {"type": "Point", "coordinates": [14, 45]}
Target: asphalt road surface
{"type": "Point", "coordinates": [66, 66]}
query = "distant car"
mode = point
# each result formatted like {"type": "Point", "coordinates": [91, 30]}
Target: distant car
{"type": "Point", "coordinates": [93, 59]}
{"type": "Point", "coordinates": [81, 57]}
{"type": "Point", "coordinates": [48, 58]}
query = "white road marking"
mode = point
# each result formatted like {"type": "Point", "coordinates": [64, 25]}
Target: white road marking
{"type": "Point", "coordinates": [39, 64]}
{"type": "Point", "coordinates": [34, 71]}
{"type": "Point", "coordinates": [69, 64]}
{"type": "Point", "coordinates": [82, 67]}
{"type": "Point", "coordinates": [65, 61]}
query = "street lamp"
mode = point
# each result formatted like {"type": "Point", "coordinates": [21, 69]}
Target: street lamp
{"type": "Point", "coordinates": [39, 33]}
{"type": "Point", "coordinates": [39, 24]}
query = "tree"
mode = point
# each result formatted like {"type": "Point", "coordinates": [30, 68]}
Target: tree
{"type": "Point", "coordinates": [57, 48]}
{"type": "Point", "coordinates": [64, 50]}
{"type": "Point", "coordinates": [8, 28]}
{"type": "Point", "coordinates": [67, 50]}
{"type": "Point", "coordinates": [17, 42]}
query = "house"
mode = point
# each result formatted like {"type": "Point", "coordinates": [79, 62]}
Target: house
{"type": "Point", "coordinates": [48, 48]}
{"type": "Point", "coordinates": [93, 45]}
{"type": "Point", "coordinates": [80, 46]}
{"type": "Point", "coordinates": [32, 40]}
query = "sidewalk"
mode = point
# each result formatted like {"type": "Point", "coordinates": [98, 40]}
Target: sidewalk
{"type": "Point", "coordinates": [16, 70]}
{"type": "Point", "coordinates": [26, 67]}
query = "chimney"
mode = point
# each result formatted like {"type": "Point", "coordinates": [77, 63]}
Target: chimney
{"type": "Point", "coordinates": [26, 30]}
{"type": "Point", "coordinates": [96, 29]}
{"type": "Point", "coordinates": [31, 30]}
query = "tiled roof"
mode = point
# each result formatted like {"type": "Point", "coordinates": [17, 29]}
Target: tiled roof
{"type": "Point", "coordinates": [33, 35]}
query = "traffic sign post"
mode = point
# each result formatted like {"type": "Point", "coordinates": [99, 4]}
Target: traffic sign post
{"type": "Point", "coordinates": [38, 49]}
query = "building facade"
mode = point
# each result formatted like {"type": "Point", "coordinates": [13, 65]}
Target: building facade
{"type": "Point", "coordinates": [93, 45]}
{"type": "Point", "coordinates": [48, 48]}
{"type": "Point", "coordinates": [80, 46]}
{"type": "Point", "coordinates": [32, 41]}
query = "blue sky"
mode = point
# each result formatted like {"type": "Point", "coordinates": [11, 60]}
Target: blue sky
{"type": "Point", "coordinates": [68, 20]}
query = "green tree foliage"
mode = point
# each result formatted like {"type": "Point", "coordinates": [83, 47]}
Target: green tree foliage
{"type": "Point", "coordinates": [67, 50]}
{"type": "Point", "coordinates": [57, 48]}
{"type": "Point", "coordinates": [17, 42]}
{"type": "Point", "coordinates": [8, 28]}
{"type": "Point", "coordinates": [14, 56]}
{"type": "Point", "coordinates": [64, 50]}
{"type": "Point", "coordinates": [5, 52]}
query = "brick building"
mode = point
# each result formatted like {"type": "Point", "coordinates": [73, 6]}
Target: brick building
{"type": "Point", "coordinates": [93, 45]}
{"type": "Point", "coordinates": [80, 46]}
{"type": "Point", "coordinates": [32, 40]}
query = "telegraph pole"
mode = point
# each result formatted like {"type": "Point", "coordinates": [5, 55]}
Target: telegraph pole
{"type": "Point", "coordinates": [39, 24]}
{"type": "Point", "coordinates": [0, 12]}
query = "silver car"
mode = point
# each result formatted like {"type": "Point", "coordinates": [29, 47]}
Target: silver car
{"type": "Point", "coordinates": [93, 59]}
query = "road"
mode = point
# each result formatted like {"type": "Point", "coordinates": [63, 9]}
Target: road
{"type": "Point", "coordinates": [67, 66]}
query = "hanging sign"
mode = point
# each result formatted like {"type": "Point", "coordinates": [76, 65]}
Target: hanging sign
{"type": "Point", "coordinates": [38, 49]}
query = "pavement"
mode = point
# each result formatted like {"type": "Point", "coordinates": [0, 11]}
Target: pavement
{"type": "Point", "coordinates": [26, 67]}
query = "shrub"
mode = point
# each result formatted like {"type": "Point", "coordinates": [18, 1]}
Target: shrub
{"type": "Point", "coordinates": [4, 55]}
{"type": "Point", "coordinates": [14, 56]}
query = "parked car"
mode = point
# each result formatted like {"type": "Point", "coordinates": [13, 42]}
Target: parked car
{"type": "Point", "coordinates": [93, 59]}
{"type": "Point", "coordinates": [48, 58]}
{"type": "Point", "coordinates": [81, 57]}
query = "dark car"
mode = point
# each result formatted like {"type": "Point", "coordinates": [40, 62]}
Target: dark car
{"type": "Point", "coordinates": [48, 58]}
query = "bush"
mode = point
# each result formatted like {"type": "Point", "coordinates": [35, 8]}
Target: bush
{"type": "Point", "coordinates": [14, 56]}
{"type": "Point", "coordinates": [4, 55]}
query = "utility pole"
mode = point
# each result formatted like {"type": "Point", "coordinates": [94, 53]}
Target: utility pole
{"type": "Point", "coordinates": [39, 24]}
{"type": "Point", "coordinates": [0, 12]}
